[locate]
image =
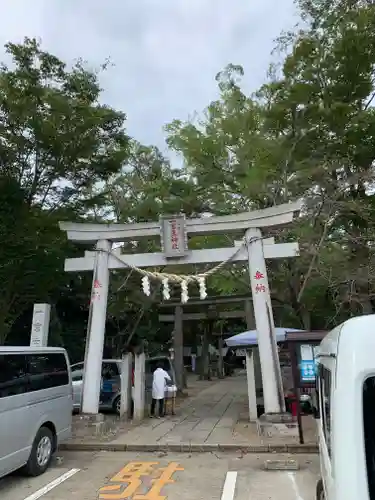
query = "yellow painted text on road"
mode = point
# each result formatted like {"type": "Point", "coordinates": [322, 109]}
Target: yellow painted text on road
{"type": "Point", "coordinates": [129, 484]}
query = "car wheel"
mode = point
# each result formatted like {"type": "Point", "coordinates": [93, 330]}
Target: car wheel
{"type": "Point", "coordinates": [320, 491]}
{"type": "Point", "coordinates": [41, 452]}
{"type": "Point", "coordinates": [117, 405]}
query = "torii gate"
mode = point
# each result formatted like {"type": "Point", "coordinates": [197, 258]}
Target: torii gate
{"type": "Point", "coordinates": [174, 231]}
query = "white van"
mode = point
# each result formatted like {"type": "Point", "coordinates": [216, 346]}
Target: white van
{"type": "Point", "coordinates": [35, 406]}
{"type": "Point", "coordinates": [346, 418]}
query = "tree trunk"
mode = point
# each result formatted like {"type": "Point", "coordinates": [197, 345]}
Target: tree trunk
{"type": "Point", "coordinates": [305, 316]}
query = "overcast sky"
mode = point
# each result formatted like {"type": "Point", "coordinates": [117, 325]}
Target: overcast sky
{"type": "Point", "coordinates": [166, 53]}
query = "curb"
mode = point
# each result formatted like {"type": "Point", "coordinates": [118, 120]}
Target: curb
{"type": "Point", "coordinates": [192, 448]}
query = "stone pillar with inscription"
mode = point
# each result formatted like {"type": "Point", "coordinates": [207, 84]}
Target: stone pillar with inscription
{"type": "Point", "coordinates": [40, 325]}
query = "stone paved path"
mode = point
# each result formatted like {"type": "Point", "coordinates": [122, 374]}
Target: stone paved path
{"type": "Point", "coordinates": [216, 413]}
{"type": "Point", "coordinates": [209, 417]}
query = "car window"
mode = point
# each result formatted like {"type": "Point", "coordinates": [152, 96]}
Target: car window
{"type": "Point", "coordinates": [77, 375]}
{"type": "Point", "coordinates": [13, 375]}
{"type": "Point", "coordinates": [47, 370]}
{"type": "Point", "coordinates": [110, 370]}
{"type": "Point", "coordinates": [20, 373]}
{"type": "Point", "coordinates": [77, 372]}
{"type": "Point", "coordinates": [77, 366]}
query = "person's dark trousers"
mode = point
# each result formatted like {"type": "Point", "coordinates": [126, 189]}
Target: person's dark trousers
{"type": "Point", "coordinates": [161, 407]}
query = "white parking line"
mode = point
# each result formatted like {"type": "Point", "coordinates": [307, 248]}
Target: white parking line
{"type": "Point", "coordinates": [229, 486]}
{"type": "Point", "coordinates": [292, 478]}
{"type": "Point", "coordinates": [52, 485]}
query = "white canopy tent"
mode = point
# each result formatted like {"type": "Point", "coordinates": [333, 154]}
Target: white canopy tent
{"type": "Point", "coordinates": [250, 338]}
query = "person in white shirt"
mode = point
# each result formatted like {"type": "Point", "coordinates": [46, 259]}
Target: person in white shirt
{"type": "Point", "coordinates": [159, 383]}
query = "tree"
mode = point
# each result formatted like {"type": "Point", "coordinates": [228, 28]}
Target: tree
{"type": "Point", "coordinates": [148, 186]}
{"type": "Point", "coordinates": [56, 142]}
{"type": "Point", "coordinates": [308, 133]}
{"type": "Point", "coordinates": [29, 260]}
{"type": "Point", "coordinates": [320, 105]}
{"type": "Point", "coordinates": [56, 139]}
{"type": "Point", "coordinates": [225, 152]}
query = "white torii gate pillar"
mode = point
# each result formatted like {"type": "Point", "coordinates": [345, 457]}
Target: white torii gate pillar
{"type": "Point", "coordinates": [96, 330]}
{"type": "Point", "coordinates": [274, 402]}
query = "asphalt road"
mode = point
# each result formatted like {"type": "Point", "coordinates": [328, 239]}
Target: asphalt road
{"type": "Point", "coordinates": [157, 476]}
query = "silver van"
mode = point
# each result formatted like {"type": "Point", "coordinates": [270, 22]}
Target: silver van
{"type": "Point", "coordinates": [111, 381]}
{"type": "Point", "coordinates": [35, 407]}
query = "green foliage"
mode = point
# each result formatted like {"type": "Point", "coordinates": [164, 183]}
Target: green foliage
{"type": "Point", "coordinates": [56, 142]}
{"type": "Point", "coordinates": [30, 255]}
{"type": "Point", "coordinates": [147, 186]}
{"type": "Point", "coordinates": [55, 137]}
{"type": "Point", "coordinates": [321, 105]}
{"type": "Point", "coordinates": [307, 133]}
